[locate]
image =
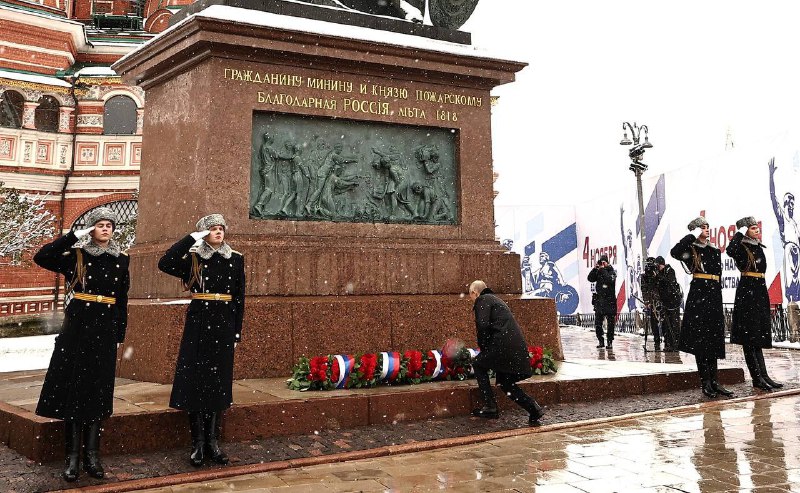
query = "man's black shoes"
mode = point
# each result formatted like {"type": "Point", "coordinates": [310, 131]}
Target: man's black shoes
{"type": "Point", "coordinates": [486, 412]}
{"type": "Point", "coordinates": [535, 416]}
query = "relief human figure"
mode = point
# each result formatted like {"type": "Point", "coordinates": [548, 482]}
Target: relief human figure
{"type": "Point", "coordinates": [300, 178]}
{"type": "Point", "coordinates": [396, 187]}
{"type": "Point", "coordinates": [269, 175]}
{"type": "Point", "coordinates": [336, 185]}
{"type": "Point", "coordinates": [334, 158]}
{"type": "Point", "coordinates": [790, 237]}
{"type": "Point", "coordinates": [431, 207]}
{"type": "Point", "coordinates": [428, 157]}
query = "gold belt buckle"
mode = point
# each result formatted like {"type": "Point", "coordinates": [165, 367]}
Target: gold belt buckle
{"type": "Point", "coordinates": [99, 298]}
{"type": "Point", "coordinates": [216, 296]}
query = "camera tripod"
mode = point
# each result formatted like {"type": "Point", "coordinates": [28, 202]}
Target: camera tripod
{"type": "Point", "coordinates": [648, 311]}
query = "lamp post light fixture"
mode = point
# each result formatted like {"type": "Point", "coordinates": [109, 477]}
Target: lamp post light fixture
{"type": "Point", "coordinates": [636, 154]}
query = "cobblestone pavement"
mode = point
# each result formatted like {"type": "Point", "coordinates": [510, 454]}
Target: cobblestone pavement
{"type": "Point", "coordinates": [736, 447]}
{"type": "Point", "coordinates": [18, 474]}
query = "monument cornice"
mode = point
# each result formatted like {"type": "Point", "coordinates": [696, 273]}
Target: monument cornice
{"type": "Point", "coordinates": [199, 38]}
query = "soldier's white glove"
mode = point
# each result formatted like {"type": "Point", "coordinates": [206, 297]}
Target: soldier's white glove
{"type": "Point", "coordinates": [199, 235]}
{"type": "Point", "coordinates": [80, 233]}
{"type": "Point", "coordinates": [697, 232]}
{"type": "Point", "coordinates": [743, 230]}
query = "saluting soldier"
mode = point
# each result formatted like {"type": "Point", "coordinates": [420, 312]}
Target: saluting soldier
{"type": "Point", "coordinates": [703, 326]}
{"type": "Point", "coordinates": [752, 325]}
{"type": "Point", "coordinates": [203, 384]}
{"type": "Point", "coordinates": [79, 385]}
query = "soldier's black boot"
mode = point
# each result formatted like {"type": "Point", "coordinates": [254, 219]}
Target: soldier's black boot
{"type": "Point", "coordinates": [91, 450]}
{"type": "Point", "coordinates": [705, 380]}
{"type": "Point", "coordinates": [601, 343]}
{"type": "Point", "coordinates": [755, 371]}
{"type": "Point", "coordinates": [72, 442]}
{"type": "Point", "coordinates": [212, 427]}
{"type": "Point", "coordinates": [196, 426]}
{"type": "Point", "coordinates": [763, 366]}
{"type": "Point", "coordinates": [714, 383]}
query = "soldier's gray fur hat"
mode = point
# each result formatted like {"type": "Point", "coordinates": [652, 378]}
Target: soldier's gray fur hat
{"type": "Point", "coordinates": [101, 214]}
{"type": "Point", "coordinates": [746, 222]}
{"type": "Point", "coordinates": [698, 222]}
{"type": "Point", "coordinates": [211, 220]}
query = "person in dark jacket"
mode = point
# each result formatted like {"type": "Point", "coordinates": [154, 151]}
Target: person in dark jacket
{"type": "Point", "coordinates": [203, 383]}
{"type": "Point", "coordinates": [669, 292]}
{"type": "Point", "coordinates": [503, 349]}
{"type": "Point", "coordinates": [652, 303]}
{"type": "Point", "coordinates": [703, 326]}
{"type": "Point", "coordinates": [604, 300]}
{"type": "Point", "coordinates": [752, 325]}
{"type": "Point", "coordinates": [79, 385]}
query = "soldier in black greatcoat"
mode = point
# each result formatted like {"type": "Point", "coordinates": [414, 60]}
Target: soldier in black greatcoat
{"type": "Point", "coordinates": [669, 292]}
{"type": "Point", "coordinates": [203, 384]}
{"type": "Point", "coordinates": [604, 299]}
{"type": "Point", "coordinates": [703, 326]}
{"type": "Point", "coordinates": [752, 325]}
{"type": "Point", "coordinates": [79, 385]}
{"type": "Point", "coordinates": [503, 349]}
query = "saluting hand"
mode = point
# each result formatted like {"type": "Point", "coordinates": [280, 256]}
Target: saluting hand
{"type": "Point", "coordinates": [80, 233]}
{"type": "Point", "coordinates": [199, 235]}
{"type": "Point", "coordinates": [743, 230]}
{"type": "Point", "coordinates": [697, 232]}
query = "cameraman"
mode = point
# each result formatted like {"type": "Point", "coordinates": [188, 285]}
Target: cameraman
{"type": "Point", "coordinates": [604, 300]}
{"type": "Point", "coordinates": [649, 284]}
{"type": "Point", "coordinates": [669, 292]}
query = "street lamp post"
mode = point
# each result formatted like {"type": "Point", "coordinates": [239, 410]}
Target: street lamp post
{"type": "Point", "coordinates": [636, 154]}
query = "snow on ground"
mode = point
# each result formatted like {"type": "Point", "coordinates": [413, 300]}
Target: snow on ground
{"type": "Point", "coordinates": [26, 353]}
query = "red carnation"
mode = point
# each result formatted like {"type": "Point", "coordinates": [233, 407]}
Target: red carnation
{"type": "Point", "coordinates": [368, 364]}
{"type": "Point", "coordinates": [414, 364]}
{"type": "Point", "coordinates": [430, 364]}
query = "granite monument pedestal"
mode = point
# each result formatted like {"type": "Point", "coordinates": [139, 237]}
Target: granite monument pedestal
{"type": "Point", "coordinates": [354, 169]}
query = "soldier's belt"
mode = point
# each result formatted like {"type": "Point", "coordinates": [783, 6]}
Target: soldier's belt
{"type": "Point", "coordinates": [754, 274]}
{"type": "Point", "coordinates": [97, 298]}
{"type": "Point", "coordinates": [212, 296]}
{"type": "Point", "coordinates": [706, 276]}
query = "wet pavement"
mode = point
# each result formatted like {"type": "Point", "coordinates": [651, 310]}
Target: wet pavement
{"type": "Point", "coordinates": [287, 453]}
{"type": "Point", "coordinates": [737, 447]}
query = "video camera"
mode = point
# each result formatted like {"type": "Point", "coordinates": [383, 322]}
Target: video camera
{"type": "Point", "coordinates": [650, 266]}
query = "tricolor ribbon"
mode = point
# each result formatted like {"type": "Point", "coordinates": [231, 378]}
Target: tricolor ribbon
{"type": "Point", "coordinates": [437, 355]}
{"type": "Point", "coordinates": [346, 363]}
{"type": "Point", "coordinates": [390, 366]}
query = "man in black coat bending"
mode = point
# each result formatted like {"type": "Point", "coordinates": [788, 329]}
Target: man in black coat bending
{"type": "Point", "coordinates": [503, 349]}
{"type": "Point", "coordinates": [604, 300]}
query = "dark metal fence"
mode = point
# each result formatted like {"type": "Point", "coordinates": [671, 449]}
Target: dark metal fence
{"type": "Point", "coordinates": [633, 322]}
